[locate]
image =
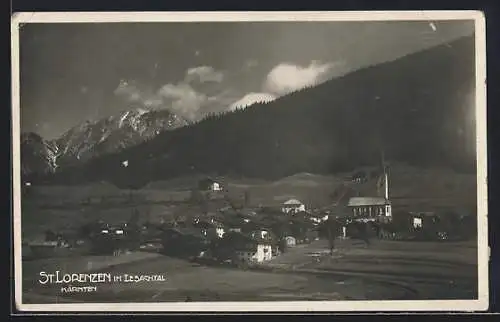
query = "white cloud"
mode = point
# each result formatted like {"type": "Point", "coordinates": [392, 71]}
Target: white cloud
{"type": "Point", "coordinates": [204, 74]}
{"type": "Point", "coordinates": [252, 98]}
{"type": "Point", "coordinates": [180, 98]}
{"type": "Point", "coordinates": [286, 78]}
{"type": "Point", "coordinates": [185, 101]}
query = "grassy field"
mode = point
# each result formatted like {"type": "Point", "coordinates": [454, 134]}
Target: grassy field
{"type": "Point", "coordinates": [56, 207]}
{"type": "Point", "coordinates": [433, 270]}
{"type": "Point", "coordinates": [385, 270]}
{"type": "Point", "coordinates": [185, 280]}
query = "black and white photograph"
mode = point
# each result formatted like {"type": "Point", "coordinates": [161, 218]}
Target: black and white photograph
{"type": "Point", "coordinates": [250, 161]}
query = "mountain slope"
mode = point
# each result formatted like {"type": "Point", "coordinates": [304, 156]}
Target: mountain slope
{"type": "Point", "coordinates": [38, 156]}
{"type": "Point", "coordinates": [418, 109]}
{"type": "Point", "coordinates": [93, 139]}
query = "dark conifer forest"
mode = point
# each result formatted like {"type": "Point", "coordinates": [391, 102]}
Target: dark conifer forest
{"type": "Point", "coordinates": [416, 109]}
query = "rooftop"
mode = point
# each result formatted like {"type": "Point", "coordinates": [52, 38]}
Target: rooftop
{"type": "Point", "coordinates": [292, 202]}
{"type": "Point", "coordinates": [367, 201]}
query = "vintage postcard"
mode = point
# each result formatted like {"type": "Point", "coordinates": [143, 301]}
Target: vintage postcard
{"type": "Point", "coordinates": [250, 161]}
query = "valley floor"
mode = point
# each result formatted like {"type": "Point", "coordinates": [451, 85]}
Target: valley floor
{"type": "Point", "coordinates": [385, 270]}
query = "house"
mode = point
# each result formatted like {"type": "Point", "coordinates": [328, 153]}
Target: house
{"type": "Point", "coordinates": [209, 185]}
{"type": "Point", "coordinates": [210, 228]}
{"type": "Point", "coordinates": [359, 177]}
{"type": "Point", "coordinates": [417, 222]}
{"type": "Point", "coordinates": [293, 206]}
{"type": "Point", "coordinates": [219, 230]}
{"type": "Point", "coordinates": [290, 241]}
{"type": "Point", "coordinates": [258, 252]}
{"type": "Point", "coordinates": [242, 248]}
{"type": "Point", "coordinates": [318, 217]}
{"type": "Point", "coordinates": [421, 219]}
{"type": "Point", "coordinates": [254, 250]}
{"type": "Point", "coordinates": [261, 234]}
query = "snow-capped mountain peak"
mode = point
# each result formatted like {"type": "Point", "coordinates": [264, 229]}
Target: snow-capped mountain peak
{"type": "Point", "coordinates": [90, 138]}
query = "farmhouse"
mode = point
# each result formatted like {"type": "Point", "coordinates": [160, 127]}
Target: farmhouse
{"type": "Point", "coordinates": [209, 185]}
{"type": "Point", "coordinates": [419, 219]}
{"type": "Point", "coordinates": [242, 248]}
{"type": "Point", "coordinates": [258, 252]}
{"type": "Point", "coordinates": [290, 241]}
{"type": "Point", "coordinates": [293, 206]}
{"type": "Point", "coordinates": [254, 250]}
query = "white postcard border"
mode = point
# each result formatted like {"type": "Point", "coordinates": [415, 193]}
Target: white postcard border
{"type": "Point", "coordinates": [292, 306]}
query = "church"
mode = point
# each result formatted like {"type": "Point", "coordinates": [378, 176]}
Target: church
{"type": "Point", "coordinates": [372, 208]}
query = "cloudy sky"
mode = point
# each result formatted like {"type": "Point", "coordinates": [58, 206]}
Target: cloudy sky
{"type": "Point", "coordinates": [76, 72]}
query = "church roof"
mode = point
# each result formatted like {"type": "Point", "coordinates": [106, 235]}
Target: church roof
{"type": "Point", "coordinates": [367, 201]}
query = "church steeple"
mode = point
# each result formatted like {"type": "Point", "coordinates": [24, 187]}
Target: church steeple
{"type": "Point", "coordinates": [386, 184]}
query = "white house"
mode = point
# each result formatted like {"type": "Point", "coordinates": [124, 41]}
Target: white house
{"type": "Point", "coordinates": [290, 241]}
{"type": "Point", "coordinates": [215, 186]}
{"type": "Point", "coordinates": [262, 252]}
{"type": "Point", "coordinates": [417, 222]}
{"type": "Point", "coordinates": [293, 206]}
{"type": "Point", "coordinates": [210, 185]}
{"type": "Point", "coordinates": [219, 230]}
{"type": "Point", "coordinates": [261, 234]}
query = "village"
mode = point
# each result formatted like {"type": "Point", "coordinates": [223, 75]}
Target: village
{"type": "Point", "coordinates": [222, 230]}
{"type": "Point", "coordinates": [209, 236]}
